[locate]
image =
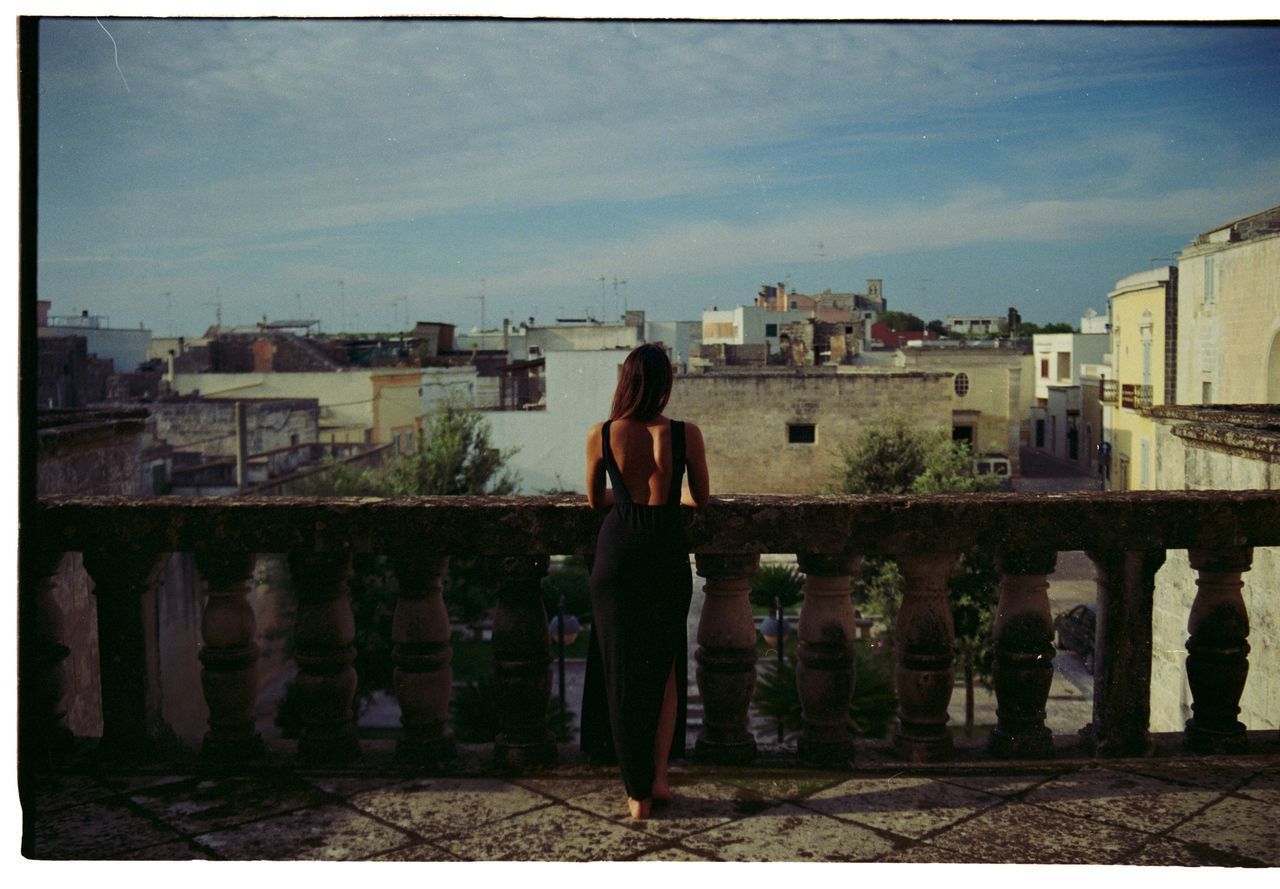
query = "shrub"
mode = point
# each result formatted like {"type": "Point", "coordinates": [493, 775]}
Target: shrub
{"type": "Point", "coordinates": [774, 580]}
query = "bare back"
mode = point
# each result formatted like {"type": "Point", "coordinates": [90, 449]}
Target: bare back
{"type": "Point", "coordinates": [642, 452]}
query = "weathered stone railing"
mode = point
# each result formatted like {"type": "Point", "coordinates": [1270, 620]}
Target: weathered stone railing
{"type": "Point", "coordinates": [123, 541]}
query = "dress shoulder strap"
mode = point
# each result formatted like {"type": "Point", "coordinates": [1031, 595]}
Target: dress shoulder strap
{"type": "Point", "coordinates": [677, 462]}
{"type": "Point", "coordinates": [611, 466]}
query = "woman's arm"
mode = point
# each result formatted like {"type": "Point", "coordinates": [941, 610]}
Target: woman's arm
{"type": "Point", "coordinates": [598, 494]}
{"type": "Point", "coordinates": [697, 491]}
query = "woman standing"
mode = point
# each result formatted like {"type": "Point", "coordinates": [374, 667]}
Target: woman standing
{"type": "Point", "coordinates": [634, 696]}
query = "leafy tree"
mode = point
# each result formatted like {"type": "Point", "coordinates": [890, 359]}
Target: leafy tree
{"type": "Point", "coordinates": [781, 581]}
{"type": "Point", "coordinates": [937, 328]}
{"type": "Point", "coordinates": [1026, 329]}
{"type": "Point", "coordinates": [892, 457]}
{"type": "Point", "coordinates": [901, 321]}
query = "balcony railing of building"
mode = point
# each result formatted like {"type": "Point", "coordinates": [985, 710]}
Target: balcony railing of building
{"type": "Point", "coordinates": [1108, 391]}
{"type": "Point", "coordinates": [124, 541]}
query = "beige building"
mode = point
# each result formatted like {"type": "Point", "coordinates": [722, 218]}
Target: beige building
{"type": "Point", "coordinates": [991, 394]}
{"type": "Point", "coordinates": [1200, 449]}
{"type": "Point", "coordinates": [1143, 372]}
{"type": "Point", "coordinates": [780, 430]}
{"type": "Point", "coordinates": [1229, 314]}
{"type": "Point", "coordinates": [370, 406]}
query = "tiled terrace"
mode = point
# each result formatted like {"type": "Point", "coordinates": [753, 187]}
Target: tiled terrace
{"type": "Point", "coordinates": [1162, 810]}
{"type": "Point", "coordinates": [1111, 794]}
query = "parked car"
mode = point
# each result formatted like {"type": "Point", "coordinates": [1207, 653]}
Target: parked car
{"type": "Point", "coordinates": [997, 465]}
{"type": "Point", "coordinates": [1076, 629]}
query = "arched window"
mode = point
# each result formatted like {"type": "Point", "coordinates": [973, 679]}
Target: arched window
{"type": "Point", "coordinates": [962, 384]}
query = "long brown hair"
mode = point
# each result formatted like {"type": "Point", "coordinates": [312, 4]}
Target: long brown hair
{"type": "Point", "coordinates": [644, 385]}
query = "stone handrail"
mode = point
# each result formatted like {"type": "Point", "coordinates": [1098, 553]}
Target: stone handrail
{"type": "Point", "coordinates": [124, 539]}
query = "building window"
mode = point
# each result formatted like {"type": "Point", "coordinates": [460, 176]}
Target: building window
{"type": "Point", "coordinates": [962, 384]}
{"type": "Point", "coordinates": [1044, 368]}
{"type": "Point", "coordinates": [793, 303]}
{"type": "Point", "coordinates": [771, 330]}
{"type": "Point", "coordinates": [801, 433]}
{"type": "Point", "coordinates": [1206, 392]}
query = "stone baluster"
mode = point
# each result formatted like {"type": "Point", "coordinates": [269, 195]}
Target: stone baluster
{"type": "Point", "coordinates": [324, 649]}
{"type": "Point", "coordinates": [229, 655]}
{"type": "Point", "coordinates": [824, 658]}
{"type": "Point", "coordinates": [1218, 650]}
{"type": "Point", "coordinates": [1023, 668]}
{"type": "Point", "coordinates": [42, 721]}
{"type": "Point", "coordinates": [124, 581]}
{"type": "Point", "coordinates": [422, 656]}
{"type": "Point", "coordinates": [726, 658]}
{"type": "Point", "coordinates": [923, 638]}
{"type": "Point", "coordinates": [1122, 651]}
{"type": "Point", "coordinates": [522, 665]}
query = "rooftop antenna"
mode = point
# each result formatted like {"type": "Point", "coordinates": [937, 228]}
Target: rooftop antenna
{"type": "Point", "coordinates": [481, 298]}
{"type": "Point", "coordinates": [218, 304]}
{"type": "Point", "coordinates": [616, 282]}
{"type": "Point", "coordinates": [603, 310]}
{"type": "Point", "coordinates": [168, 295]}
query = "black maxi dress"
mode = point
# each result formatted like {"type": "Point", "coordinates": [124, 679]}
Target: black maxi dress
{"type": "Point", "coordinates": [641, 587]}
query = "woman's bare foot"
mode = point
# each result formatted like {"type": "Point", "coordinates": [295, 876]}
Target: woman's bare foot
{"type": "Point", "coordinates": [661, 794]}
{"type": "Point", "coordinates": [639, 808]}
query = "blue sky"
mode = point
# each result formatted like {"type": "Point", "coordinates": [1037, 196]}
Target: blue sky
{"type": "Point", "coordinates": [423, 163]}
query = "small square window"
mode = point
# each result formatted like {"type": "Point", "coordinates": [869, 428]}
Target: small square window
{"type": "Point", "coordinates": [801, 433]}
{"type": "Point", "coordinates": [771, 330]}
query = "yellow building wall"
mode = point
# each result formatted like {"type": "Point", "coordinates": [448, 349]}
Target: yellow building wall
{"type": "Point", "coordinates": [397, 404]}
{"type": "Point", "coordinates": [1131, 429]}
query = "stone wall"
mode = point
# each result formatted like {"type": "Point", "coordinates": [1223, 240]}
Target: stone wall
{"type": "Point", "coordinates": [1191, 454]}
{"type": "Point", "coordinates": [209, 426]}
{"type": "Point", "coordinates": [746, 418]}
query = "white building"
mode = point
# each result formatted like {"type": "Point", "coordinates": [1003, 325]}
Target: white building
{"type": "Point", "coordinates": [125, 347]}
{"type": "Point", "coordinates": [549, 443]}
{"type": "Point", "coordinates": [976, 324]}
{"type": "Point", "coordinates": [747, 325]}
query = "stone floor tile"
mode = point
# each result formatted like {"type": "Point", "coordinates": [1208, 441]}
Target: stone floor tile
{"type": "Point", "coordinates": [432, 807]}
{"type": "Point", "coordinates": [106, 829]}
{"type": "Point", "coordinates": [558, 834]}
{"type": "Point", "coordinates": [1209, 774]}
{"type": "Point", "coordinates": [674, 853]}
{"type": "Point", "coordinates": [1001, 785]}
{"type": "Point", "coordinates": [321, 833]}
{"type": "Point", "coordinates": [1241, 826]}
{"type": "Point", "coordinates": [569, 788]}
{"type": "Point", "coordinates": [1264, 787]}
{"type": "Point", "coordinates": [1166, 852]}
{"type": "Point", "coordinates": [927, 853]}
{"type": "Point", "coordinates": [127, 784]}
{"type": "Point", "coordinates": [205, 805]}
{"type": "Point", "coordinates": [180, 851]}
{"type": "Point", "coordinates": [1016, 833]}
{"type": "Point", "coordinates": [788, 833]}
{"type": "Point", "coordinates": [784, 788]}
{"type": "Point", "coordinates": [48, 793]}
{"type": "Point", "coordinates": [696, 807]}
{"type": "Point", "coordinates": [909, 806]}
{"type": "Point", "coordinates": [346, 786]}
{"type": "Point", "coordinates": [1121, 798]}
{"type": "Point", "coordinates": [416, 852]}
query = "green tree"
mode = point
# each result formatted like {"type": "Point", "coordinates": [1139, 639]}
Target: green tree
{"type": "Point", "coordinates": [1027, 329]}
{"type": "Point", "coordinates": [901, 321]}
{"type": "Point", "coordinates": [892, 457]}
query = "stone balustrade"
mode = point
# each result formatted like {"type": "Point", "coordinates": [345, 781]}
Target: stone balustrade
{"type": "Point", "coordinates": [125, 539]}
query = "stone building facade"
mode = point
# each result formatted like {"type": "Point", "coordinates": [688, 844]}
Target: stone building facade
{"type": "Point", "coordinates": [991, 394]}
{"type": "Point", "coordinates": [1216, 448]}
{"type": "Point", "coordinates": [780, 431]}
{"type": "Point", "coordinates": [1229, 314]}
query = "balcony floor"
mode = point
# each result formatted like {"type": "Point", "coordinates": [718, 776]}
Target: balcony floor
{"type": "Point", "coordinates": [1168, 810]}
